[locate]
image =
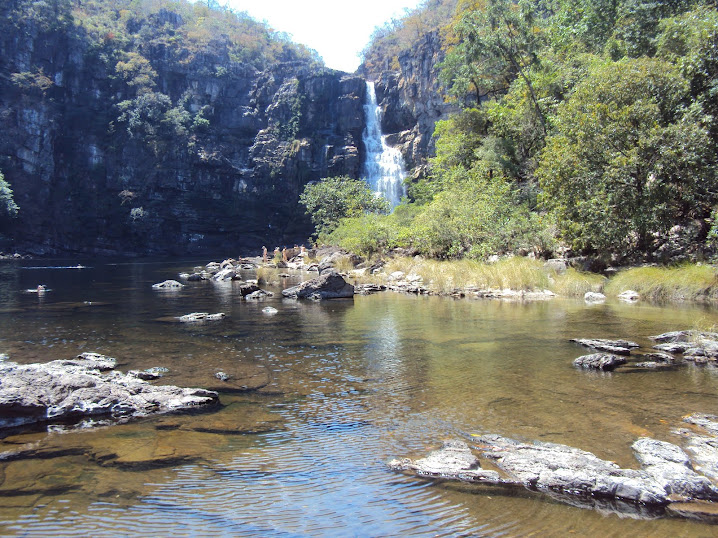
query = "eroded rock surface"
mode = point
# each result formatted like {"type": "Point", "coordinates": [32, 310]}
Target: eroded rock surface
{"type": "Point", "coordinates": [329, 285]}
{"type": "Point", "coordinates": [667, 473]}
{"type": "Point", "coordinates": [599, 361]}
{"type": "Point", "coordinates": [617, 347]}
{"type": "Point", "coordinates": [69, 390]}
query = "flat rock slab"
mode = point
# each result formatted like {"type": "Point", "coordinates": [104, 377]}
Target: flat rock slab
{"type": "Point", "coordinates": [617, 347]}
{"type": "Point", "coordinates": [666, 475]}
{"type": "Point", "coordinates": [70, 390]}
{"type": "Point", "coordinates": [454, 460]}
{"type": "Point", "coordinates": [599, 361]}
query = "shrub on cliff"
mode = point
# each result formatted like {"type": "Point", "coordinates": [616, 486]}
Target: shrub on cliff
{"type": "Point", "coordinates": [8, 207]}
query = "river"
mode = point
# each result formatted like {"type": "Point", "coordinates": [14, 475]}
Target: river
{"type": "Point", "coordinates": [343, 387]}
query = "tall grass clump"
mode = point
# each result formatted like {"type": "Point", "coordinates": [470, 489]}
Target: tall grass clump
{"type": "Point", "coordinates": [575, 283]}
{"type": "Point", "coordinates": [516, 273]}
{"type": "Point", "coordinates": [684, 282]}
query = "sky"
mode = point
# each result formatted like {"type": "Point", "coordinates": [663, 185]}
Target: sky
{"type": "Point", "coordinates": [336, 29]}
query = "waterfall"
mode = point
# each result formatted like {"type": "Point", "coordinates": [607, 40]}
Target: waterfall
{"type": "Point", "coordinates": [384, 166]}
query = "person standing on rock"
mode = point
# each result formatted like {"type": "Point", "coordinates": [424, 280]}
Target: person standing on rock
{"type": "Point", "coordinates": [264, 254]}
{"type": "Point", "coordinates": [284, 254]}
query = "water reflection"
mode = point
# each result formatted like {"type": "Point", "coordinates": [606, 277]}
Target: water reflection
{"type": "Point", "coordinates": [319, 397]}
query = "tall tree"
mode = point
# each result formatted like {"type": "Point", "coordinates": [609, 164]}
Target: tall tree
{"type": "Point", "coordinates": [496, 42]}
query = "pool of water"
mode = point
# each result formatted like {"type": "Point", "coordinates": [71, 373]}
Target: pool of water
{"type": "Point", "coordinates": [320, 397]}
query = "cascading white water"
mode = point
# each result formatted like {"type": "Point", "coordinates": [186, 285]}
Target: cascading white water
{"type": "Point", "coordinates": [384, 169]}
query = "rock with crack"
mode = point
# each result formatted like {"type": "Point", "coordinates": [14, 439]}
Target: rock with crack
{"type": "Point", "coordinates": [599, 361]}
{"type": "Point", "coordinates": [453, 460]}
{"type": "Point", "coordinates": [71, 390]}
{"type": "Point", "coordinates": [617, 347]}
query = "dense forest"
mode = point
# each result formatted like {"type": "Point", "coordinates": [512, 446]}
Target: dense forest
{"type": "Point", "coordinates": [588, 125]}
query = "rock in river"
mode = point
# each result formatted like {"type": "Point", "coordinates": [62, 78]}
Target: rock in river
{"type": "Point", "coordinates": [618, 347]}
{"type": "Point", "coordinates": [599, 361]}
{"type": "Point", "coordinates": [329, 285]}
{"type": "Point", "coordinates": [69, 390]}
{"type": "Point", "coordinates": [168, 285]}
{"type": "Point", "coordinates": [571, 475]}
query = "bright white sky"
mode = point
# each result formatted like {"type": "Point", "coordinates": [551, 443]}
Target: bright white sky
{"type": "Point", "coordinates": [336, 29]}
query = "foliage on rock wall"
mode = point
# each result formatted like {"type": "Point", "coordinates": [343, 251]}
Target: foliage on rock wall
{"type": "Point", "coordinates": [8, 207]}
{"type": "Point", "coordinates": [599, 116]}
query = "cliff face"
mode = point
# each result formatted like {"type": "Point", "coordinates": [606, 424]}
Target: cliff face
{"type": "Point", "coordinates": [412, 101]}
{"type": "Point", "coordinates": [157, 150]}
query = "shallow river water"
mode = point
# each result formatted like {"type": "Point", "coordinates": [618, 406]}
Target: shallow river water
{"type": "Point", "coordinates": [342, 387]}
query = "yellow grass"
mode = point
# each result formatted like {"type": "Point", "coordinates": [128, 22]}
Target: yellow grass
{"type": "Point", "coordinates": [684, 282]}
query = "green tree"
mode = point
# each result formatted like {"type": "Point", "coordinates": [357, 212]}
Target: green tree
{"type": "Point", "coordinates": [8, 207]}
{"type": "Point", "coordinates": [628, 158]}
{"type": "Point", "coordinates": [334, 198]}
{"type": "Point", "coordinates": [498, 41]}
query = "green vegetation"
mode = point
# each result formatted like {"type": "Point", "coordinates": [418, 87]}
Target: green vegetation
{"type": "Point", "coordinates": [8, 207]}
{"type": "Point", "coordinates": [587, 124]}
{"type": "Point", "coordinates": [686, 282]}
{"type": "Point", "coordinates": [399, 35]}
{"type": "Point", "coordinates": [334, 198]}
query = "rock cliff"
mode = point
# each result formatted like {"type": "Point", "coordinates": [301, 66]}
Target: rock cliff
{"type": "Point", "coordinates": [145, 146]}
{"type": "Point", "coordinates": [412, 101]}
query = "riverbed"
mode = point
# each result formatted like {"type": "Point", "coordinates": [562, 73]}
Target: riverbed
{"type": "Point", "coordinates": [320, 396]}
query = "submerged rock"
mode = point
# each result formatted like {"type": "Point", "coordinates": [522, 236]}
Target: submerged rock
{"type": "Point", "coordinates": [69, 390]}
{"type": "Point", "coordinates": [201, 316]}
{"type": "Point", "coordinates": [629, 296]}
{"type": "Point", "coordinates": [453, 460]}
{"type": "Point", "coordinates": [329, 285]}
{"type": "Point", "coordinates": [599, 361]}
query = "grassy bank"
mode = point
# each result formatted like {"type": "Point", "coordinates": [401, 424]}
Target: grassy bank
{"type": "Point", "coordinates": [687, 282]}
{"type": "Point", "coordinates": [683, 283]}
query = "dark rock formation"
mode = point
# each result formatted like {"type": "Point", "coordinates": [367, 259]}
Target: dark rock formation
{"type": "Point", "coordinates": [70, 390]}
{"type": "Point", "coordinates": [329, 285]}
{"type": "Point", "coordinates": [599, 361]}
{"type": "Point", "coordinates": [211, 155]}
{"type": "Point", "coordinates": [618, 347]}
{"type": "Point", "coordinates": [411, 100]}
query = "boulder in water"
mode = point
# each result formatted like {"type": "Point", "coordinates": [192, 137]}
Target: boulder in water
{"type": "Point", "coordinates": [599, 361]}
{"type": "Point", "coordinates": [329, 285]}
{"type": "Point", "coordinates": [618, 347]}
{"type": "Point", "coordinates": [70, 390]}
{"type": "Point", "coordinates": [168, 285]}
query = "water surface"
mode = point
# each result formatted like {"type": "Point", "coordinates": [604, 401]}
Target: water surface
{"type": "Point", "coordinates": [341, 388]}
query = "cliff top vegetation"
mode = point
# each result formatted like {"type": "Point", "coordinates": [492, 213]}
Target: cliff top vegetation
{"type": "Point", "coordinates": [589, 125]}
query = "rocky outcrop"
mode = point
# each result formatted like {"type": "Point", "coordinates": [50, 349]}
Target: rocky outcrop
{"type": "Point", "coordinates": [618, 347]}
{"type": "Point", "coordinates": [329, 285]}
{"type": "Point", "coordinates": [212, 154]}
{"type": "Point", "coordinates": [411, 100]}
{"type": "Point", "coordinates": [667, 473]}
{"type": "Point", "coordinates": [599, 361]}
{"type": "Point", "coordinates": [71, 390]}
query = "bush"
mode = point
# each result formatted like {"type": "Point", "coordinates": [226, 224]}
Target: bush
{"type": "Point", "coordinates": [334, 198]}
